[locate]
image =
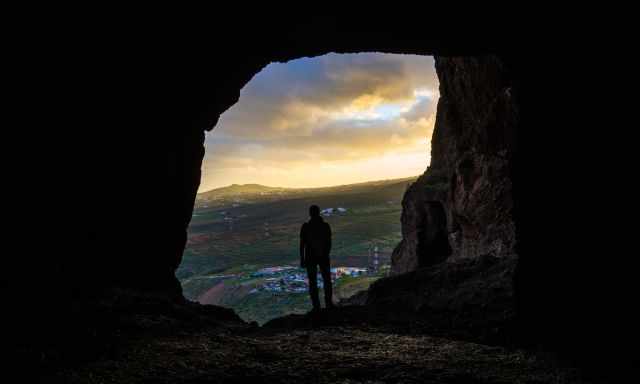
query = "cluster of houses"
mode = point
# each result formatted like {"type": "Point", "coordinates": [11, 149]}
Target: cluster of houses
{"type": "Point", "coordinates": [292, 279]}
{"type": "Point", "coordinates": [348, 271]}
{"type": "Point", "coordinates": [292, 284]}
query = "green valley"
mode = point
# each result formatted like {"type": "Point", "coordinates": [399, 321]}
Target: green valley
{"type": "Point", "coordinates": [238, 231]}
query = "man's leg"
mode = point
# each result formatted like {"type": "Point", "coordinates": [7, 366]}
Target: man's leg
{"type": "Point", "coordinates": [312, 274]}
{"type": "Point", "coordinates": [325, 270]}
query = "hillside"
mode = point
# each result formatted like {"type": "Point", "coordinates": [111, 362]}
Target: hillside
{"type": "Point", "coordinates": [262, 193]}
{"type": "Point", "coordinates": [239, 229]}
{"type": "Point", "coordinates": [237, 190]}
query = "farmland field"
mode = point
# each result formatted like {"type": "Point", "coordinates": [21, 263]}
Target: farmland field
{"type": "Point", "coordinates": [237, 230]}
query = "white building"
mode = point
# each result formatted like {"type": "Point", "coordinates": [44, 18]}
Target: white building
{"type": "Point", "coordinates": [327, 212]}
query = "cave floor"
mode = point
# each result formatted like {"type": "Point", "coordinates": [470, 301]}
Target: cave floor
{"type": "Point", "coordinates": [324, 355]}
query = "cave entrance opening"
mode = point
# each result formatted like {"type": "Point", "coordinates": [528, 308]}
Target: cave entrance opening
{"type": "Point", "coordinates": [348, 132]}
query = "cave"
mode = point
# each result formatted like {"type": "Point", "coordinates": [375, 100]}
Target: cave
{"type": "Point", "coordinates": [485, 159]}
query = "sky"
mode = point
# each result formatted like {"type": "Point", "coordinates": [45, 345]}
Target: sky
{"type": "Point", "coordinates": [327, 120]}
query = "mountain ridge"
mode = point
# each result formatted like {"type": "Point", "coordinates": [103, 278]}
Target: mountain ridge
{"type": "Point", "coordinates": [257, 188]}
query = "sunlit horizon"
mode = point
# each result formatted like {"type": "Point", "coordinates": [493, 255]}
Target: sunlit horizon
{"type": "Point", "coordinates": [326, 121]}
{"type": "Point", "coordinates": [312, 186]}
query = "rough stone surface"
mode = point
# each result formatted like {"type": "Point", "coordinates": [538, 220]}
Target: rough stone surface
{"type": "Point", "coordinates": [470, 172]}
{"type": "Point", "coordinates": [470, 298]}
{"type": "Point", "coordinates": [424, 232]}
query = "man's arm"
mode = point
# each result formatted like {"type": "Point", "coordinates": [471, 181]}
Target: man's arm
{"type": "Point", "coordinates": [302, 246]}
{"type": "Point", "coordinates": [328, 239]}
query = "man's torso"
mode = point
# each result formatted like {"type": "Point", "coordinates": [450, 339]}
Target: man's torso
{"type": "Point", "coordinates": [316, 239]}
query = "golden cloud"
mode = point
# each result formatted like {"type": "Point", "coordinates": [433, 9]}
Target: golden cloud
{"type": "Point", "coordinates": [335, 109]}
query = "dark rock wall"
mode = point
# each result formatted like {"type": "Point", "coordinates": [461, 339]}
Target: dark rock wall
{"type": "Point", "coordinates": [470, 172]}
{"type": "Point", "coordinates": [471, 298]}
{"type": "Point", "coordinates": [424, 227]}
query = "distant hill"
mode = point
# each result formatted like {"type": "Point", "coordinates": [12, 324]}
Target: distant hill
{"type": "Point", "coordinates": [237, 189]}
{"type": "Point", "coordinates": [248, 190]}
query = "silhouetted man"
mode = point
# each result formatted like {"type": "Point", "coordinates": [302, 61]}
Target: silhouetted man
{"type": "Point", "coordinates": [315, 246]}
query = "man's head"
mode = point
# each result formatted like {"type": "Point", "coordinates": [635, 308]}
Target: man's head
{"type": "Point", "coordinates": [314, 211]}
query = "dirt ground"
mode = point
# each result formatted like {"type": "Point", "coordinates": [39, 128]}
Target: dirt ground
{"type": "Point", "coordinates": [324, 355]}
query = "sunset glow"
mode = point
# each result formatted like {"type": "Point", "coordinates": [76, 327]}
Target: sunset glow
{"type": "Point", "coordinates": [328, 120]}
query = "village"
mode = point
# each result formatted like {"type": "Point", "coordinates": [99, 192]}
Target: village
{"type": "Point", "coordinates": [294, 280]}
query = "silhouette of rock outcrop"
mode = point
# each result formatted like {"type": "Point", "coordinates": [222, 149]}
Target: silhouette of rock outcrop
{"type": "Point", "coordinates": [470, 172]}
{"type": "Point", "coordinates": [470, 299]}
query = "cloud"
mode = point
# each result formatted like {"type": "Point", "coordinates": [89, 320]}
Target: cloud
{"type": "Point", "coordinates": [338, 109]}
